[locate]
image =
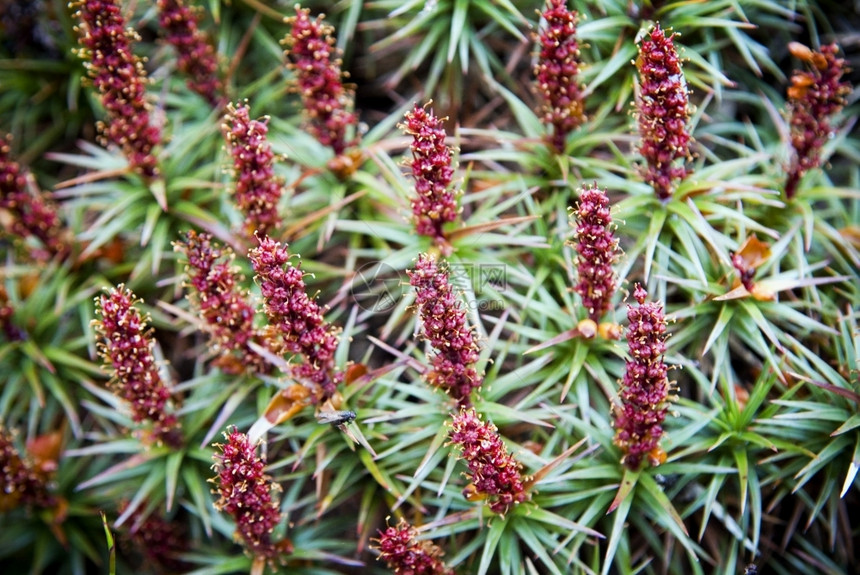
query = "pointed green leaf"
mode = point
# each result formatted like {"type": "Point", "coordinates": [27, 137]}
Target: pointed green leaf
{"type": "Point", "coordinates": [494, 534]}
{"type": "Point", "coordinates": [853, 467]}
{"type": "Point", "coordinates": [621, 508]}
{"type": "Point", "coordinates": [740, 455]}
{"type": "Point", "coordinates": [110, 545]}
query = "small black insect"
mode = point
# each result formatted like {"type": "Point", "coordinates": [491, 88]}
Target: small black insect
{"type": "Point", "coordinates": [336, 418]}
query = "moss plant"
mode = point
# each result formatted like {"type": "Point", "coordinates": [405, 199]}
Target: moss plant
{"type": "Point", "coordinates": [450, 287]}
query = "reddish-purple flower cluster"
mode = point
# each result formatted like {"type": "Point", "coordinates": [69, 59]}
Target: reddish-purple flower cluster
{"type": "Point", "coordinates": [119, 77]}
{"type": "Point", "coordinates": [645, 388]}
{"type": "Point", "coordinates": [814, 97]}
{"type": "Point", "coordinates": [406, 555]}
{"type": "Point", "coordinates": [598, 250]}
{"type": "Point", "coordinates": [195, 54]}
{"type": "Point", "coordinates": [258, 189]}
{"type": "Point", "coordinates": [21, 482]}
{"type": "Point", "coordinates": [126, 347]}
{"type": "Point", "coordinates": [222, 303]}
{"type": "Point", "coordinates": [432, 168]}
{"type": "Point", "coordinates": [246, 495]}
{"type": "Point", "coordinates": [296, 320]}
{"type": "Point", "coordinates": [494, 472]}
{"type": "Point", "coordinates": [7, 325]}
{"type": "Point", "coordinates": [30, 214]}
{"type": "Point", "coordinates": [556, 73]}
{"type": "Point", "coordinates": [157, 539]}
{"type": "Point", "coordinates": [662, 112]}
{"type": "Point", "coordinates": [443, 320]}
{"type": "Point", "coordinates": [312, 56]}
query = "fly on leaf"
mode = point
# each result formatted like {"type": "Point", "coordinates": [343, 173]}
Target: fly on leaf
{"type": "Point", "coordinates": [336, 418]}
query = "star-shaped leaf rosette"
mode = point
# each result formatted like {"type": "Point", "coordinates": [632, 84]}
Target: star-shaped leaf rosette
{"type": "Point", "coordinates": [754, 255]}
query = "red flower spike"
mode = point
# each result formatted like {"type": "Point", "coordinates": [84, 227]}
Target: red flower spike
{"type": "Point", "coordinates": [432, 168]}
{"type": "Point", "coordinates": [8, 328]}
{"type": "Point", "coordinates": [159, 540]}
{"type": "Point", "coordinates": [556, 73]}
{"type": "Point", "coordinates": [125, 344]}
{"type": "Point", "coordinates": [598, 251]}
{"type": "Point", "coordinates": [245, 493]}
{"type": "Point", "coordinates": [406, 555]}
{"type": "Point", "coordinates": [258, 189]}
{"type": "Point", "coordinates": [221, 303]}
{"type": "Point", "coordinates": [195, 54]}
{"type": "Point", "coordinates": [443, 321]}
{"type": "Point", "coordinates": [645, 387]}
{"type": "Point", "coordinates": [494, 472]}
{"type": "Point", "coordinates": [21, 482]}
{"type": "Point", "coordinates": [662, 112]}
{"type": "Point", "coordinates": [120, 79]}
{"type": "Point", "coordinates": [295, 319]}
{"type": "Point", "coordinates": [814, 97]}
{"type": "Point", "coordinates": [314, 59]}
{"type": "Point", "coordinates": [31, 215]}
